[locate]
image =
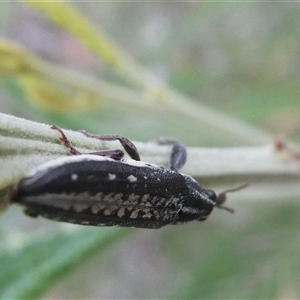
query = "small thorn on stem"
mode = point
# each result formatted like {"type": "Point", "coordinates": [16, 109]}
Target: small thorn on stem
{"type": "Point", "coordinates": [222, 197]}
{"type": "Point", "coordinates": [280, 145]}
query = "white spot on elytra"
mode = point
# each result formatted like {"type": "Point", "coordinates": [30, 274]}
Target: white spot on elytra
{"type": "Point", "coordinates": [147, 214]}
{"type": "Point", "coordinates": [109, 211]}
{"type": "Point", "coordinates": [134, 214]}
{"type": "Point", "coordinates": [132, 178]}
{"type": "Point", "coordinates": [95, 209]}
{"type": "Point", "coordinates": [79, 207]}
{"type": "Point", "coordinates": [74, 177]}
{"type": "Point", "coordinates": [112, 176]}
{"type": "Point", "coordinates": [121, 212]}
{"type": "Point", "coordinates": [145, 198]}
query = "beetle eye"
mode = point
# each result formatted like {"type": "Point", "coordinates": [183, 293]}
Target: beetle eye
{"type": "Point", "coordinates": [211, 195]}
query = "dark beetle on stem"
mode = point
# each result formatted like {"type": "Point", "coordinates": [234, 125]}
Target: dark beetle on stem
{"type": "Point", "coordinates": [105, 189]}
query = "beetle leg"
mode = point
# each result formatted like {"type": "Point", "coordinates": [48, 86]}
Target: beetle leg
{"type": "Point", "coordinates": [178, 154]}
{"type": "Point", "coordinates": [129, 147]}
{"type": "Point", "coordinates": [115, 154]}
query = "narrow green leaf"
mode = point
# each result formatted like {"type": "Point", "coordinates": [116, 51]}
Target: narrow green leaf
{"type": "Point", "coordinates": [33, 270]}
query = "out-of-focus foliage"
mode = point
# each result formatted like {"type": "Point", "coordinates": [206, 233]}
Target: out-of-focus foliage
{"type": "Point", "coordinates": [242, 59]}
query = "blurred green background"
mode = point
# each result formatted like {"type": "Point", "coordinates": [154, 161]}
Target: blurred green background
{"type": "Point", "coordinates": [242, 59]}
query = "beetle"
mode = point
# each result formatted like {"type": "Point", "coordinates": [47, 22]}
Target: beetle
{"type": "Point", "coordinates": [105, 189]}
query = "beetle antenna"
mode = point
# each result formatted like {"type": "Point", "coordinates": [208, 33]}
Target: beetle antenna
{"type": "Point", "coordinates": [222, 197]}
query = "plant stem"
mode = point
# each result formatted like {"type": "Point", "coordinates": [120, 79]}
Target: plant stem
{"type": "Point", "coordinates": [25, 144]}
